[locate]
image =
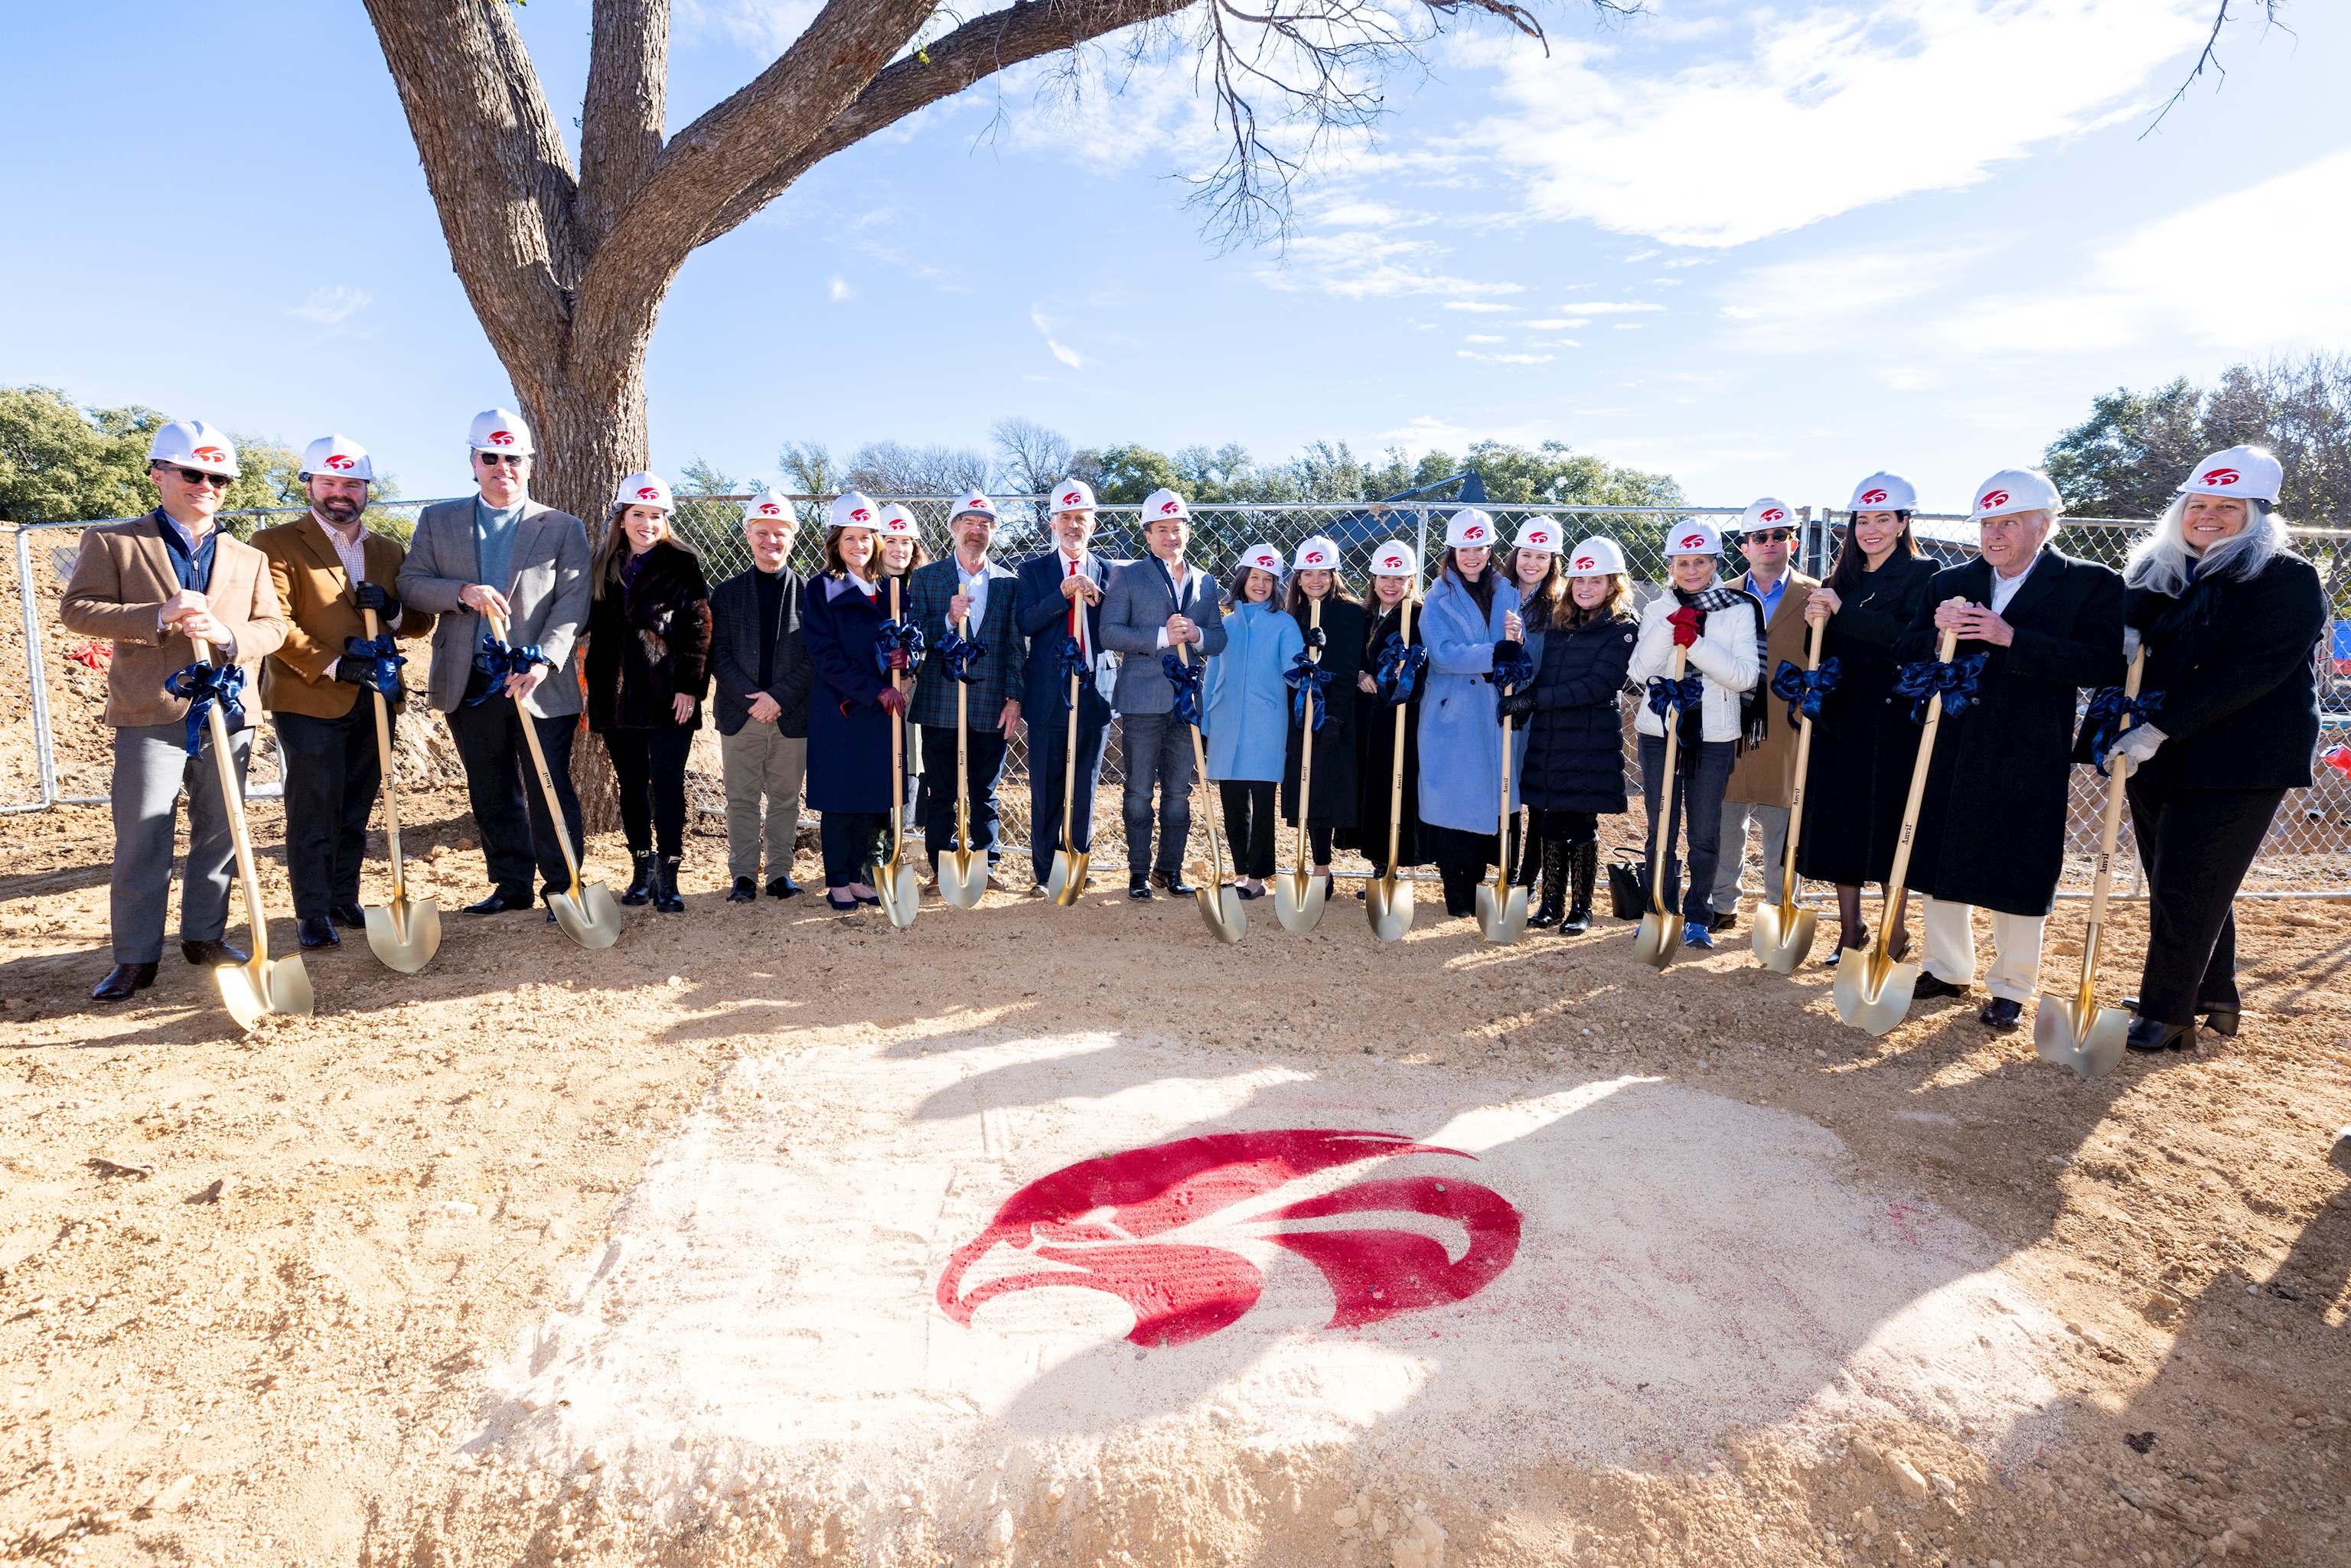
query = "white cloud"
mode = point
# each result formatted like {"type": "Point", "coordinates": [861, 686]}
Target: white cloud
{"type": "Point", "coordinates": [1061, 352]}
{"type": "Point", "coordinates": [1360, 264]}
{"type": "Point", "coordinates": [1622, 308]}
{"type": "Point", "coordinates": [765, 27]}
{"type": "Point", "coordinates": [332, 307]}
{"type": "Point", "coordinates": [1559, 323]}
{"type": "Point", "coordinates": [1481, 338]}
{"type": "Point", "coordinates": [1823, 111]}
{"type": "Point", "coordinates": [1507, 358]}
{"type": "Point", "coordinates": [1834, 300]}
{"type": "Point", "coordinates": [838, 290]}
{"type": "Point", "coordinates": [1476, 305]}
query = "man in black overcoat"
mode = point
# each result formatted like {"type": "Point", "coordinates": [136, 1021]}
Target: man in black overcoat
{"type": "Point", "coordinates": [1991, 825]}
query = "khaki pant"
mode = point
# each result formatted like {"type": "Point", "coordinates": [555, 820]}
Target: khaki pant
{"type": "Point", "coordinates": [1950, 949]}
{"type": "Point", "coordinates": [761, 760]}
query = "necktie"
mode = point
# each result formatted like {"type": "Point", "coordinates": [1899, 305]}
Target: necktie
{"type": "Point", "coordinates": [1077, 621]}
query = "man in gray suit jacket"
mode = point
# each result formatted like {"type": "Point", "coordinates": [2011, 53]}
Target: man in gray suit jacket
{"type": "Point", "coordinates": [502, 553]}
{"type": "Point", "coordinates": [1153, 606]}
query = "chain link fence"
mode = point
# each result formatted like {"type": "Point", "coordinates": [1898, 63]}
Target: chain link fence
{"type": "Point", "coordinates": [54, 749]}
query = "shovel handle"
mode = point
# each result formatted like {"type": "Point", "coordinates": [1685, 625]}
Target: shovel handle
{"type": "Point", "coordinates": [546, 780]}
{"type": "Point", "coordinates": [1069, 771]}
{"type": "Point", "coordinates": [383, 757]}
{"type": "Point", "coordinates": [1673, 756]}
{"type": "Point", "coordinates": [1901, 871]}
{"type": "Point", "coordinates": [2110, 834]}
{"type": "Point", "coordinates": [249, 875]}
{"type": "Point", "coordinates": [1200, 773]}
{"type": "Point", "coordinates": [1305, 753]}
{"type": "Point", "coordinates": [1395, 780]}
{"type": "Point", "coordinates": [963, 754]}
{"type": "Point", "coordinates": [1796, 799]}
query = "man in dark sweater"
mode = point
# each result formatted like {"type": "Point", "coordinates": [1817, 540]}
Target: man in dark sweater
{"type": "Point", "coordinates": [762, 674]}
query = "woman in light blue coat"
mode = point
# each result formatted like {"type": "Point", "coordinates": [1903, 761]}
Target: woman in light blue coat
{"type": "Point", "coordinates": [1246, 705]}
{"type": "Point", "coordinates": [1466, 621]}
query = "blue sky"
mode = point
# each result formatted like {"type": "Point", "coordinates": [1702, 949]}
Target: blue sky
{"type": "Point", "coordinates": [1766, 250]}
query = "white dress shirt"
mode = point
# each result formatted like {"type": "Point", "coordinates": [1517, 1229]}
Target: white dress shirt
{"type": "Point", "coordinates": [2003, 589]}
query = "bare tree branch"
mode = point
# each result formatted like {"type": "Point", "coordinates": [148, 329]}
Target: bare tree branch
{"type": "Point", "coordinates": [2210, 57]}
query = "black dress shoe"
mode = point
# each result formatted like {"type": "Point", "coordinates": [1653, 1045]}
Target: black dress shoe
{"type": "Point", "coordinates": [1138, 887]}
{"type": "Point", "coordinates": [1725, 921]}
{"type": "Point", "coordinates": [1936, 986]}
{"type": "Point", "coordinates": [746, 891]}
{"type": "Point", "coordinates": [212, 955]}
{"type": "Point", "coordinates": [349, 917]}
{"type": "Point", "coordinates": [121, 980]}
{"type": "Point", "coordinates": [782, 887]}
{"type": "Point", "coordinates": [2001, 1014]}
{"type": "Point", "coordinates": [1173, 883]}
{"type": "Point", "coordinates": [318, 932]}
{"type": "Point", "coordinates": [2153, 1035]}
{"type": "Point", "coordinates": [2219, 1021]}
{"type": "Point", "coordinates": [501, 901]}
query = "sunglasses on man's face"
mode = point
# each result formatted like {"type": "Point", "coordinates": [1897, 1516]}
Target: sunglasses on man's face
{"type": "Point", "coordinates": [1771, 535]}
{"type": "Point", "coordinates": [198, 476]}
{"type": "Point", "coordinates": [511, 459]}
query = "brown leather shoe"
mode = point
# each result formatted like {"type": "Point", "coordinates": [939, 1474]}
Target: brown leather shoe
{"type": "Point", "coordinates": [212, 955]}
{"type": "Point", "coordinates": [121, 980]}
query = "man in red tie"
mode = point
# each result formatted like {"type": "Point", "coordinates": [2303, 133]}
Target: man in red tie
{"type": "Point", "coordinates": [1058, 607]}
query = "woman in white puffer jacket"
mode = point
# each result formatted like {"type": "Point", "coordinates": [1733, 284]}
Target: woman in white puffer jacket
{"type": "Point", "coordinates": [1723, 629]}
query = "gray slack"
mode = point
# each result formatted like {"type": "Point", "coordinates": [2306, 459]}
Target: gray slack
{"type": "Point", "coordinates": [760, 760]}
{"type": "Point", "coordinates": [1774, 820]}
{"type": "Point", "coordinates": [152, 765]}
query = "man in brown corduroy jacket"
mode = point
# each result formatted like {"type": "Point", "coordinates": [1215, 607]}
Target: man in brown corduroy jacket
{"type": "Point", "coordinates": [1763, 780]}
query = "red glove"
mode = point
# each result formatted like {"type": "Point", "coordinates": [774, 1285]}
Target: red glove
{"type": "Point", "coordinates": [892, 701]}
{"type": "Point", "coordinates": [1686, 622]}
{"type": "Point", "coordinates": [898, 660]}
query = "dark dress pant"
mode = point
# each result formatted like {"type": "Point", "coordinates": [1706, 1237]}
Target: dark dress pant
{"type": "Point", "coordinates": [984, 753]}
{"type": "Point", "coordinates": [650, 765]}
{"type": "Point", "coordinates": [1158, 750]}
{"type": "Point", "coordinates": [1048, 750]}
{"type": "Point", "coordinates": [1248, 824]}
{"type": "Point", "coordinates": [509, 806]}
{"type": "Point", "coordinates": [333, 772]}
{"type": "Point", "coordinates": [1704, 778]}
{"type": "Point", "coordinates": [2197, 845]}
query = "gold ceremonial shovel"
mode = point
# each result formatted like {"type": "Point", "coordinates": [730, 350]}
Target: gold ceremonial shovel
{"type": "Point", "coordinates": [1387, 900]}
{"type": "Point", "coordinates": [963, 875]}
{"type": "Point", "coordinates": [1874, 992]}
{"type": "Point", "coordinates": [1502, 903]}
{"type": "Point", "coordinates": [901, 896]}
{"type": "Point", "coordinates": [261, 984]}
{"type": "Point", "coordinates": [1298, 894]}
{"type": "Point", "coordinates": [1068, 878]}
{"type": "Point", "coordinates": [406, 933]}
{"type": "Point", "coordinates": [1783, 936]}
{"type": "Point", "coordinates": [585, 910]}
{"type": "Point", "coordinates": [2076, 1032]}
{"type": "Point", "coordinates": [1220, 906]}
{"type": "Point", "coordinates": [1660, 935]}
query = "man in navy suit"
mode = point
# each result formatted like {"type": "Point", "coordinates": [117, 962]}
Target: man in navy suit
{"type": "Point", "coordinates": [1060, 600]}
{"type": "Point", "coordinates": [967, 587]}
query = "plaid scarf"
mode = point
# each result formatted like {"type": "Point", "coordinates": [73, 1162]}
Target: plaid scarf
{"type": "Point", "coordinates": [1754, 713]}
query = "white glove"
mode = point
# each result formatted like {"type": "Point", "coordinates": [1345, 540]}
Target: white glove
{"type": "Point", "coordinates": [2130, 643]}
{"type": "Point", "coordinates": [2138, 744]}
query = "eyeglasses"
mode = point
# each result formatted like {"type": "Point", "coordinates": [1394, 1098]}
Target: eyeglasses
{"type": "Point", "coordinates": [198, 476]}
{"type": "Point", "coordinates": [511, 459]}
{"type": "Point", "coordinates": [1771, 535]}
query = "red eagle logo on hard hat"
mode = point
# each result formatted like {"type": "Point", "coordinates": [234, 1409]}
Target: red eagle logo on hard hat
{"type": "Point", "coordinates": [1693, 541]}
{"type": "Point", "coordinates": [1993, 499]}
{"type": "Point", "coordinates": [1392, 562]}
{"type": "Point", "coordinates": [502, 438]}
{"type": "Point", "coordinates": [2222, 476]}
{"type": "Point", "coordinates": [1473, 532]}
{"type": "Point", "coordinates": [339, 460]}
{"type": "Point", "coordinates": [1069, 498]}
{"type": "Point", "coordinates": [1313, 558]}
{"type": "Point", "coordinates": [209, 455]}
{"type": "Point", "coordinates": [1585, 563]}
{"type": "Point", "coordinates": [1184, 1232]}
{"type": "Point", "coordinates": [769, 509]}
{"type": "Point", "coordinates": [1170, 509]}
{"type": "Point", "coordinates": [1871, 498]}
{"type": "Point", "coordinates": [647, 493]}
{"type": "Point", "coordinates": [1774, 514]}
{"type": "Point", "coordinates": [860, 515]}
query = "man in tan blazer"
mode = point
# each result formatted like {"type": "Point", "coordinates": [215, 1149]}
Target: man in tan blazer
{"type": "Point", "coordinates": [326, 568]}
{"type": "Point", "coordinates": [153, 586]}
{"type": "Point", "coordinates": [1763, 780]}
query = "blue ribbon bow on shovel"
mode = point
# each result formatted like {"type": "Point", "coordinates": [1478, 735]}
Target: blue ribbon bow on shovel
{"type": "Point", "coordinates": [1397, 670]}
{"type": "Point", "coordinates": [1186, 678]}
{"type": "Point", "coordinates": [1955, 683]}
{"type": "Point", "coordinates": [1665, 695]}
{"type": "Point", "coordinates": [203, 685]}
{"type": "Point", "coordinates": [2108, 707]}
{"type": "Point", "coordinates": [961, 654]}
{"type": "Point", "coordinates": [1512, 672]}
{"type": "Point", "coordinates": [383, 659]}
{"type": "Point", "coordinates": [1802, 690]}
{"type": "Point", "coordinates": [498, 660]}
{"type": "Point", "coordinates": [1069, 659]}
{"type": "Point", "coordinates": [894, 636]}
{"type": "Point", "coordinates": [1306, 679]}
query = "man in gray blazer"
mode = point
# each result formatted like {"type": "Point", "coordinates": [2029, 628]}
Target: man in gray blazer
{"type": "Point", "coordinates": [503, 553]}
{"type": "Point", "coordinates": [1151, 606]}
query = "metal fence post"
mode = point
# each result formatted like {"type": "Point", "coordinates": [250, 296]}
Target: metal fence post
{"type": "Point", "coordinates": [43, 748]}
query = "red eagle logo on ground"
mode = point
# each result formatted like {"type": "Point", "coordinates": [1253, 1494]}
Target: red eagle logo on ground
{"type": "Point", "coordinates": [1142, 1226]}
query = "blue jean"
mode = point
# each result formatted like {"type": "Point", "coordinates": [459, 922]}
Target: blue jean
{"type": "Point", "coordinates": [1158, 751]}
{"type": "Point", "coordinates": [1704, 778]}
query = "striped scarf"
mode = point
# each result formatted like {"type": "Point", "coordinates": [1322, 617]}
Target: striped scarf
{"type": "Point", "coordinates": [1754, 713]}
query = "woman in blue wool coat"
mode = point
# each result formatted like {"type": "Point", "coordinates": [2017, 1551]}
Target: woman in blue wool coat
{"type": "Point", "coordinates": [849, 779]}
{"type": "Point", "coordinates": [1247, 706]}
{"type": "Point", "coordinates": [1466, 621]}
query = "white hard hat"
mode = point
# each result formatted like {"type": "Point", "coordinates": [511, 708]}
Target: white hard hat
{"type": "Point", "coordinates": [1538, 534]}
{"type": "Point", "coordinates": [2016, 490]}
{"type": "Point", "coordinates": [1469, 530]}
{"type": "Point", "coordinates": [1394, 559]}
{"type": "Point", "coordinates": [2245, 471]}
{"type": "Point", "coordinates": [1595, 557]}
{"type": "Point", "coordinates": [193, 443]}
{"type": "Point", "coordinates": [1161, 504]}
{"type": "Point", "coordinates": [1315, 553]}
{"type": "Point", "coordinates": [500, 430]}
{"type": "Point", "coordinates": [1073, 496]}
{"type": "Point", "coordinates": [771, 504]}
{"type": "Point", "coordinates": [1695, 536]}
{"type": "Point", "coordinates": [645, 490]}
{"type": "Point", "coordinates": [972, 501]}
{"type": "Point", "coordinates": [1263, 558]}
{"type": "Point", "coordinates": [1771, 512]}
{"type": "Point", "coordinates": [1883, 492]}
{"type": "Point", "coordinates": [338, 455]}
{"type": "Point", "coordinates": [855, 509]}
{"type": "Point", "coordinates": [898, 522]}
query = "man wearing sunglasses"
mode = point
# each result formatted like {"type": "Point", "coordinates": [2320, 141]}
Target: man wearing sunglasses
{"type": "Point", "coordinates": [501, 553]}
{"type": "Point", "coordinates": [1764, 779]}
{"type": "Point", "coordinates": [159, 587]}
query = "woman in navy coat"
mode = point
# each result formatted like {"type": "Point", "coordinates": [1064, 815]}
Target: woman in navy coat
{"type": "Point", "coordinates": [850, 707]}
{"type": "Point", "coordinates": [1394, 571]}
{"type": "Point", "coordinates": [1470, 608]}
{"type": "Point", "coordinates": [1247, 707]}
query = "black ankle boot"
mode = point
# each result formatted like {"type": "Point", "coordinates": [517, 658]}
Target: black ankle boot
{"type": "Point", "coordinates": [1584, 868]}
{"type": "Point", "coordinates": [1555, 885]}
{"type": "Point", "coordinates": [1460, 892]}
{"type": "Point", "coordinates": [664, 887]}
{"type": "Point", "coordinates": [640, 886]}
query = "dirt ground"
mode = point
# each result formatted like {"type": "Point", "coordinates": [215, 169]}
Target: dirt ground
{"type": "Point", "coordinates": [253, 1291]}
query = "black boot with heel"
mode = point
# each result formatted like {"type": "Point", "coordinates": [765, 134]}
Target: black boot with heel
{"type": "Point", "coordinates": [1584, 868]}
{"type": "Point", "coordinates": [640, 886]}
{"type": "Point", "coordinates": [1553, 906]}
{"type": "Point", "coordinates": [666, 900]}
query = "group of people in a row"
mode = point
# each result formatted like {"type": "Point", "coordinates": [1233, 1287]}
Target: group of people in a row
{"type": "Point", "coordinates": [849, 680]}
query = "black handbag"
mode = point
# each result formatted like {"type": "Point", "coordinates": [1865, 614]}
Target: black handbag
{"type": "Point", "coordinates": [1628, 885]}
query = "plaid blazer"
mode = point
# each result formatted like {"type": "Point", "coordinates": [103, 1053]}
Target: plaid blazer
{"type": "Point", "coordinates": [1000, 673]}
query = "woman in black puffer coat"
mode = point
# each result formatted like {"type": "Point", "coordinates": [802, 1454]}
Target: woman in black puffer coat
{"type": "Point", "coordinates": [1574, 768]}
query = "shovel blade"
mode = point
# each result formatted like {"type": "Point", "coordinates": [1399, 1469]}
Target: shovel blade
{"type": "Point", "coordinates": [2090, 1040]}
{"type": "Point", "coordinates": [589, 917]}
{"type": "Point", "coordinates": [1504, 920]}
{"type": "Point", "coordinates": [1657, 939]}
{"type": "Point", "coordinates": [405, 933]}
{"type": "Point", "coordinates": [1221, 911]}
{"type": "Point", "coordinates": [963, 878]}
{"type": "Point", "coordinates": [1389, 903]}
{"type": "Point", "coordinates": [262, 986]}
{"type": "Point", "coordinates": [1874, 997]}
{"type": "Point", "coordinates": [1781, 936]}
{"type": "Point", "coordinates": [1068, 882]}
{"type": "Point", "coordinates": [902, 895]}
{"type": "Point", "coordinates": [1297, 898]}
